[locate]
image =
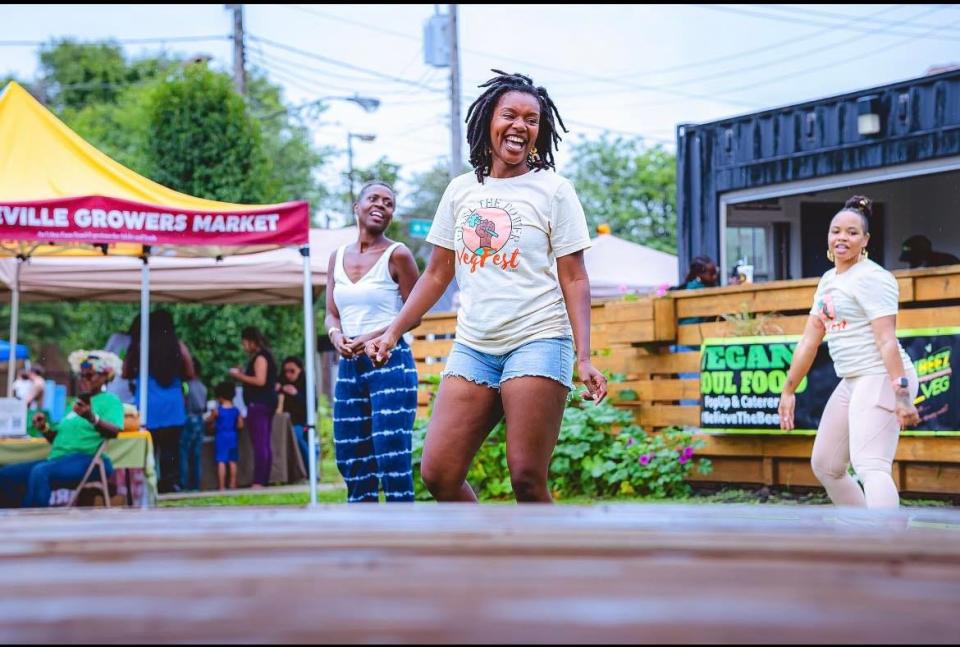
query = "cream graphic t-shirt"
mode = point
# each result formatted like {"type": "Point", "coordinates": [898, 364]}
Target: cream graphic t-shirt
{"type": "Point", "coordinates": [846, 304]}
{"type": "Point", "coordinates": [507, 234]}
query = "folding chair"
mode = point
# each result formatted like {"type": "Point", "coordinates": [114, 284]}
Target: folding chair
{"type": "Point", "coordinates": [96, 461]}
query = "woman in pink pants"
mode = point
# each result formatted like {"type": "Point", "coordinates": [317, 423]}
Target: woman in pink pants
{"type": "Point", "coordinates": [855, 307]}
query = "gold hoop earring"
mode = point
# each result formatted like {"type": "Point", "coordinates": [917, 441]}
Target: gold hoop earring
{"type": "Point", "coordinates": [830, 256]}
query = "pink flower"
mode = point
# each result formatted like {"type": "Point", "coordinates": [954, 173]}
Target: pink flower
{"type": "Point", "coordinates": [643, 460]}
{"type": "Point", "coordinates": [663, 289]}
{"type": "Point", "coordinates": [687, 452]}
{"type": "Point", "coordinates": [622, 289]}
{"type": "Point", "coordinates": [631, 441]}
{"type": "Point", "coordinates": [683, 459]}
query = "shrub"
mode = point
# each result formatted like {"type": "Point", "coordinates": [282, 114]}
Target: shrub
{"type": "Point", "coordinates": [600, 453]}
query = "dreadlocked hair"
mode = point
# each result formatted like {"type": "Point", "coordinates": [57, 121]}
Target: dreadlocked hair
{"type": "Point", "coordinates": [480, 114]}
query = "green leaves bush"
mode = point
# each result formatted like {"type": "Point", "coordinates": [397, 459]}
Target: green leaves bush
{"type": "Point", "coordinates": [600, 454]}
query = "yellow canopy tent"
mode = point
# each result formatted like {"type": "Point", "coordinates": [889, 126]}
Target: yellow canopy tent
{"type": "Point", "coordinates": [59, 194]}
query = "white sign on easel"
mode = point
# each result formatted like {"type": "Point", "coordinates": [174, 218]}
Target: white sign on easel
{"type": "Point", "coordinates": [13, 417]}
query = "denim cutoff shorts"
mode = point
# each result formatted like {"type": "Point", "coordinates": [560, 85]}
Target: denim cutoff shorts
{"type": "Point", "coordinates": [552, 358]}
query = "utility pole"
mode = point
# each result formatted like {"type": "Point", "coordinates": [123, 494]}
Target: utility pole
{"type": "Point", "coordinates": [456, 160]}
{"type": "Point", "coordinates": [350, 169]}
{"type": "Point", "coordinates": [239, 60]}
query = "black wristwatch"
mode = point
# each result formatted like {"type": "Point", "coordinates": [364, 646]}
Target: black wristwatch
{"type": "Point", "coordinates": [901, 383]}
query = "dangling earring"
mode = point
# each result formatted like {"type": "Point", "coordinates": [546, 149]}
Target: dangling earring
{"type": "Point", "coordinates": [532, 157]}
{"type": "Point", "coordinates": [864, 253]}
{"type": "Point", "coordinates": [830, 256]}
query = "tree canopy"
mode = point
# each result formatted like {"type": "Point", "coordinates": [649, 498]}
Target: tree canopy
{"type": "Point", "coordinates": [628, 186]}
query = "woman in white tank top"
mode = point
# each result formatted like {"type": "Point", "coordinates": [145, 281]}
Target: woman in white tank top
{"type": "Point", "coordinates": [374, 408]}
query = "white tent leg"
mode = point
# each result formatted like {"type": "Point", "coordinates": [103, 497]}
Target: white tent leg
{"type": "Point", "coordinates": [144, 337]}
{"type": "Point", "coordinates": [14, 326]}
{"type": "Point", "coordinates": [309, 349]}
{"type": "Point", "coordinates": [145, 350]}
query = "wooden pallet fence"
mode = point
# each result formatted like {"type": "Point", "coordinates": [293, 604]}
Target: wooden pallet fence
{"type": "Point", "coordinates": [653, 344]}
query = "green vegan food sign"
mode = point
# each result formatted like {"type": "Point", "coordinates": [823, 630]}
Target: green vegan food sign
{"type": "Point", "coordinates": [741, 380]}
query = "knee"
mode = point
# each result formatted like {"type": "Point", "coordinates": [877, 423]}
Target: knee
{"type": "Point", "coordinates": [40, 471]}
{"type": "Point", "coordinates": [826, 469]}
{"type": "Point", "coordinates": [438, 480]}
{"type": "Point", "coordinates": [39, 474]}
{"type": "Point", "coordinates": [529, 484]}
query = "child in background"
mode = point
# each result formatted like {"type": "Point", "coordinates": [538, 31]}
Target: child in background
{"type": "Point", "coordinates": [227, 423]}
{"type": "Point", "coordinates": [23, 386]}
{"type": "Point", "coordinates": [191, 440]}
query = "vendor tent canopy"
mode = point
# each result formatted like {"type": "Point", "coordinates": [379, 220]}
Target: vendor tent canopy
{"type": "Point", "coordinates": [5, 351]}
{"type": "Point", "coordinates": [617, 267]}
{"type": "Point", "coordinates": [57, 189]}
{"type": "Point", "coordinates": [272, 277]}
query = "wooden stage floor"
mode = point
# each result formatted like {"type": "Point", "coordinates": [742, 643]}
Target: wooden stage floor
{"type": "Point", "coordinates": [494, 573]}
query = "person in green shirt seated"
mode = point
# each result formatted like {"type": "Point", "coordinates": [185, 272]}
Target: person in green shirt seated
{"type": "Point", "coordinates": [95, 415]}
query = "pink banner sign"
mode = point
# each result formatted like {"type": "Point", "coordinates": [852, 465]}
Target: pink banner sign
{"type": "Point", "coordinates": [95, 219]}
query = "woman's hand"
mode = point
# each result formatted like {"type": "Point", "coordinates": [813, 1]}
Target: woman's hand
{"type": "Point", "coordinates": [40, 421]}
{"type": "Point", "coordinates": [788, 402]}
{"type": "Point", "coordinates": [235, 372]}
{"type": "Point", "coordinates": [289, 389]}
{"type": "Point", "coordinates": [378, 349]}
{"type": "Point", "coordinates": [342, 344]}
{"type": "Point", "coordinates": [83, 409]}
{"type": "Point", "coordinates": [906, 412]}
{"type": "Point", "coordinates": [358, 344]}
{"type": "Point", "coordinates": [594, 380]}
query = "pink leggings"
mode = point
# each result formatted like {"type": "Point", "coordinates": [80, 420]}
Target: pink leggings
{"type": "Point", "coordinates": [859, 427]}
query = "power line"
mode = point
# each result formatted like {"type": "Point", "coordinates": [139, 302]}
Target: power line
{"type": "Point", "coordinates": [304, 68]}
{"type": "Point", "coordinates": [846, 61]}
{"type": "Point", "coordinates": [324, 14]}
{"type": "Point", "coordinates": [582, 124]}
{"type": "Point", "coordinates": [273, 65]}
{"type": "Point", "coordinates": [806, 11]}
{"type": "Point", "coordinates": [770, 63]}
{"type": "Point", "coordinates": [488, 55]}
{"type": "Point", "coordinates": [743, 53]}
{"type": "Point", "coordinates": [333, 61]}
{"type": "Point", "coordinates": [119, 41]}
{"type": "Point", "coordinates": [795, 20]}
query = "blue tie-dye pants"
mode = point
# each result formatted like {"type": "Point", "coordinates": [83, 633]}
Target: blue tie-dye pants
{"type": "Point", "coordinates": [373, 414]}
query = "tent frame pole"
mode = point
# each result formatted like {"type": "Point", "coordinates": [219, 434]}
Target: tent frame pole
{"type": "Point", "coordinates": [14, 327]}
{"type": "Point", "coordinates": [309, 349]}
{"type": "Point", "coordinates": [144, 376]}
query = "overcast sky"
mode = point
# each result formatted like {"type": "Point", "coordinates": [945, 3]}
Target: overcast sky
{"type": "Point", "coordinates": [632, 70]}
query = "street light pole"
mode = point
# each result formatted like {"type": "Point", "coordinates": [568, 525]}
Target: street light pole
{"type": "Point", "coordinates": [350, 138]}
{"type": "Point", "coordinates": [350, 167]}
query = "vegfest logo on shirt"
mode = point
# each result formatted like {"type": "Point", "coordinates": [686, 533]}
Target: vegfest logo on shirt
{"type": "Point", "coordinates": [827, 312]}
{"type": "Point", "coordinates": [489, 236]}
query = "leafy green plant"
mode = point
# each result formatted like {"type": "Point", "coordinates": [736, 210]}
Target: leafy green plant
{"type": "Point", "coordinates": [600, 454]}
{"type": "Point", "coordinates": [745, 323]}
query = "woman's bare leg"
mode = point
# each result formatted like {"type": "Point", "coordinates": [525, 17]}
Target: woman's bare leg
{"type": "Point", "coordinates": [463, 416]}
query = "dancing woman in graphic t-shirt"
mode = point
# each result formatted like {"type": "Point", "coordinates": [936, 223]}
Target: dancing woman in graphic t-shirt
{"type": "Point", "coordinates": [374, 407]}
{"type": "Point", "coordinates": [855, 306]}
{"type": "Point", "coordinates": [513, 232]}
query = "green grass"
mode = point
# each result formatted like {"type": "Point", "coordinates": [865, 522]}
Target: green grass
{"type": "Point", "coordinates": [328, 469]}
{"type": "Point", "coordinates": [267, 499]}
{"type": "Point", "coordinates": [725, 495]}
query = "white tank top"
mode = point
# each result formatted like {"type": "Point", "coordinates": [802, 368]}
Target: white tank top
{"type": "Point", "coordinates": [370, 303]}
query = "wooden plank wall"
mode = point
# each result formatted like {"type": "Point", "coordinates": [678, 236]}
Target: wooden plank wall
{"type": "Point", "coordinates": [655, 346]}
